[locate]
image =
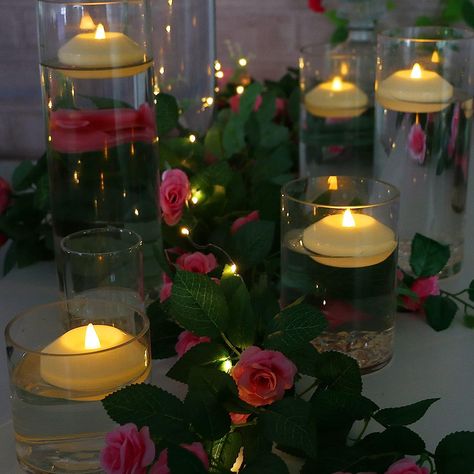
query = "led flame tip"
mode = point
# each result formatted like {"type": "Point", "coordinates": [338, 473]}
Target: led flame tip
{"type": "Point", "coordinates": [332, 182]}
{"type": "Point", "coordinates": [100, 32]}
{"type": "Point", "coordinates": [348, 219]}
{"type": "Point", "coordinates": [336, 84]}
{"type": "Point", "coordinates": [91, 341]}
{"type": "Point", "coordinates": [416, 71]}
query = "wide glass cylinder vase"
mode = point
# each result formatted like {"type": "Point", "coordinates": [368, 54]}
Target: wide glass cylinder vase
{"type": "Point", "coordinates": [184, 47]}
{"type": "Point", "coordinates": [424, 113]}
{"type": "Point", "coordinates": [96, 73]}
{"type": "Point", "coordinates": [339, 254]}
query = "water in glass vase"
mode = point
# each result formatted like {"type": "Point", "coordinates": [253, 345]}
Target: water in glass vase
{"type": "Point", "coordinates": [102, 156]}
{"type": "Point", "coordinates": [426, 155]}
{"type": "Point", "coordinates": [57, 431]}
{"type": "Point", "coordinates": [359, 303]}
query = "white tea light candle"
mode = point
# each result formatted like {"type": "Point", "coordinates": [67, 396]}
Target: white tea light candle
{"type": "Point", "coordinates": [336, 98]}
{"type": "Point", "coordinates": [349, 240]}
{"type": "Point", "coordinates": [414, 90]}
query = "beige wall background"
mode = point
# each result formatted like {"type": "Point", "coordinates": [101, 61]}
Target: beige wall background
{"type": "Point", "coordinates": [269, 32]}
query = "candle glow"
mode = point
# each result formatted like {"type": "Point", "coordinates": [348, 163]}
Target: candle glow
{"type": "Point", "coordinates": [348, 219]}
{"type": "Point", "coordinates": [91, 340]}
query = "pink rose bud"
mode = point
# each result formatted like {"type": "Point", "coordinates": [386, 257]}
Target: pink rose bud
{"type": "Point", "coordinates": [263, 376]}
{"type": "Point", "coordinates": [175, 190]}
{"type": "Point", "coordinates": [127, 450]}
{"type": "Point", "coordinates": [234, 103]}
{"type": "Point", "coordinates": [166, 288]}
{"type": "Point", "coordinates": [161, 465]}
{"type": "Point", "coordinates": [197, 262]}
{"type": "Point", "coordinates": [186, 340]}
{"type": "Point", "coordinates": [417, 143]}
{"type": "Point", "coordinates": [406, 466]}
{"type": "Point", "coordinates": [241, 221]}
{"type": "Point", "coordinates": [239, 418]}
{"type": "Point", "coordinates": [5, 195]}
{"type": "Point", "coordinates": [423, 287]}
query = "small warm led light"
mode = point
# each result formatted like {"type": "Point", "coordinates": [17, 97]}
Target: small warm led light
{"type": "Point", "coordinates": [219, 74]}
{"type": "Point", "coordinates": [243, 62]}
{"type": "Point", "coordinates": [136, 212]}
{"type": "Point", "coordinates": [348, 219]}
{"type": "Point", "coordinates": [196, 196]}
{"type": "Point", "coordinates": [91, 340]}
{"type": "Point", "coordinates": [233, 268]}
{"type": "Point", "coordinates": [240, 89]}
{"type": "Point", "coordinates": [416, 71]}
{"type": "Point", "coordinates": [100, 32]}
{"type": "Point", "coordinates": [168, 28]}
{"type": "Point", "coordinates": [50, 104]}
{"type": "Point", "coordinates": [192, 138]}
{"type": "Point", "coordinates": [435, 57]}
{"type": "Point", "coordinates": [336, 84]}
{"type": "Point", "coordinates": [161, 70]}
{"type": "Point", "coordinates": [332, 182]}
{"type": "Point", "coordinates": [184, 231]}
{"type": "Point", "coordinates": [227, 366]}
{"type": "Point", "coordinates": [217, 66]}
{"type": "Point", "coordinates": [170, 3]}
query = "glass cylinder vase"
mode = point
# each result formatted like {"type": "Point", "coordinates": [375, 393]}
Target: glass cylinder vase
{"type": "Point", "coordinates": [424, 112]}
{"type": "Point", "coordinates": [339, 254]}
{"type": "Point", "coordinates": [184, 46]}
{"type": "Point", "coordinates": [96, 72]}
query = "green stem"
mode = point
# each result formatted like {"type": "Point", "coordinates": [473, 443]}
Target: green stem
{"type": "Point", "coordinates": [454, 296]}
{"type": "Point", "coordinates": [232, 347]}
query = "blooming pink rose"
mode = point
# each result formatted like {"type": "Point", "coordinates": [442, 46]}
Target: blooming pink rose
{"type": "Point", "coordinates": [316, 6]}
{"type": "Point", "coordinates": [263, 376]}
{"type": "Point", "coordinates": [186, 340]}
{"type": "Point", "coordinates": [417, 143]}
{"type": "Point", "coordinates": [423, 287]}
{"type": "Point", "coordinates": [241, 221]}
{"type": "Point", "coordinates": [454, 131]}
{"type": "Point", "coordinates": [197, 262]}
{"type": "Point", "coordinates": [5, 195]}
{"type": "Point", "coordinates": [239, 418]}
{"type": "Point", "coordinates": [161, 465]}
{"type": "Point", "coordinates": [175, 190]}
{"type": "Point", "coordinates": [406, 466]}
{"type": "Point", "coordinates": [79, 131]}
{"type": "Point", "coordinates": [165, 291]}
{"type": "Point", "coordinates": [127, 450]}
{"type": "Point", "coordinates": [340, 312]}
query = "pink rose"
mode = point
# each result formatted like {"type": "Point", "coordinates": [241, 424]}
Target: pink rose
{"type": "Point", "coordinates": [127, 450]}
{"type": "Point", "coordinates": [417, 143]}
{"type": "Point", "coordinates": [241, 221]}
{"type": "Point", "coordinates": [239, 418]}
{"type": "Point", "coordinates": [340, 312]}
{"type": "Point", "coordinates": [175, 190]}
{"type": "Point", "coordinates": [316, 6]}
{"type": "Point", "coordinates": [423, 287]}
{"type": "Point", "coordinates": [166, 288]}
{"type": "Point", "coordinates": [197, 262]}
{"type": "Point", "coordinates": [186, 340]}
{"type": "Point", "coordinates": [406, 466]}
{"type": "Point", "coordinates": [5, 195]}
{"type": "Point", "coordinates": [161, 465]}
{"type": "Point", "coordinates": [263, 376]}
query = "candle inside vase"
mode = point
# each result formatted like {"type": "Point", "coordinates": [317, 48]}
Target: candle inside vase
{"type": "Point", "coordinates": [93, 358]}
{"type": "Point", "coordinates": [415, 90]}
{"type": "Point", "coordinates": [349, 240]}
{"type": "Point", "coordinates": [336, 98]}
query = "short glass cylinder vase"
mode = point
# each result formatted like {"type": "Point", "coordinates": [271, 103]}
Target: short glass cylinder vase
{"type": "Point", "coordinates": [339, 253]}
{"type": "Point", "coordinates": [336, 112]}
{"type": "Point", "coordinates": [63, 359]}
{"type": "Point", "coordinates": [424, 110]}
{"type": "Point", "coordinates": [184, 46]}
{"type": "Point", "coordinates": [96, 73]}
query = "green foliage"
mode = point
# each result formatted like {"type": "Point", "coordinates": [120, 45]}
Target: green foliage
{"type": "Point", "coordinates": [428, 257]}
{"type": "Point", "coordinates": [454, 454]}
{"type": "Point", "coordinates": [440, 311]}
{"type": "Point", "coordinates": [167, 113]}
{"type": "Point", "coordinates": [403, 416]}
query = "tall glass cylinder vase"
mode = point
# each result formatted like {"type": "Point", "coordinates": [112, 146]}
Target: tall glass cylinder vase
{"type": "Point", "coordinates": [424, 106]}
{"type": "Point", "coordinates": [96, 72]}
{"type": "Point", "coordinates": [184, 46]}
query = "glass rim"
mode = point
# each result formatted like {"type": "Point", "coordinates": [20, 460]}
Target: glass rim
{"type": "Point", "coordinates": [74, 3]}
{"type": "Point", "coordinates": [410, 33]}
{"type": "Point", "coordinates": [134, 337]}
{"type": "Point", "coordinates": [138, 242]}
{"type": "Point", "coordinates": [322, 48]}
{"type": "Point", "coordinates": [287, 195]}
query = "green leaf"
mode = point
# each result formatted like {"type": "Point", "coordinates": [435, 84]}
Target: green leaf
{"type": "Point", "coordinates": [233, 139]}
{"type": "Point", "coordinates": [208, 354]}
{"type": "Point", "coordinates": [289, 423]}
{"type": "Point", "coordinates": [424, 21]}
{"type": "Point", "coordinates": [167, 113]}
{"type": "Point", "coordinates": [253, 242]}
{"type": "Point", "coordinates": [213, 142]}
{"type": "Point", "coordinates": [471, 291]}
{"type": "Point", "coordinates": [467, 12]}
{"type": "Point", "coordinates": [273, 135]}
{"type": "Point", "coordinates": [224, 451]}
{"type": "Point", "coordinates": [338, 371]}
{"type": "Point", "coordinates": [305, 358]}
{"type": "Point", "coordinates": [106, 103]}
{"type": "Point", "coordinates": [241, 332]}
{"type": "Point", "coordinates": [198, 304]}
{"type": "Point", "coordinates": [468, 321]}
{"type": "Point", "coordinates": [428, 257]}
{"type": "Point", "coordinates": [395, 439]}
{"type": "Point", "coordinates": [440, 311]}
{"type": "Point", "coordinates": [41, 199]}
{"type": "Point", "coordinates": [21, 178]}
{"type": "Point", "coordinates": [405, 415]}
{"type": "Point", "coordinates": [269, 463]}
{"type": "Point", "coordinates": [148, 405]}
{"type": "Point", "coordinates": [247, 100]}
{"type": "Point", "coordinates": [454, 453]}
{"type": "Point", "coordinates": [164, 333]}
{"type": "Point", "coordinates": [267, 110]}
{"type": "Point", "coordinates": [254, 442]}
{"type": "Point", "coordinates": [340, 34]}
{"type": "Point", "coordinates": [181, 461]}
{"type": "Point", "coordinates": [294, 327]}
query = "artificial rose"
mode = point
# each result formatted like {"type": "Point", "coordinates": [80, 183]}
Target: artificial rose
{"type": "Point", "coordinates": [417, 143]}
{"type": "Point", "coordinates": [80, 131]}
{"type": "Point", "coordinates": [5, 195]}
{"type": "Point", "coordinates": [406, 466]}
{"type": "Point", "coordinates": [423, 287]}
{"type": "Point", "coordinates": [175, 190]}
{"type": "Point", "coordinates": [339, 312]}
{"type": "Point", "coordinates": [263, 376]}
{"type": "Point", "coordinates": [161, 465]}
{"type": "Point", "coordinates": [197, 262]}
{"type": "Point", "coordinates": [239, 418]}
{"type": "Point", "coordinates": [186, 340]}
{"type": "Point", "coordinates": [241, 221]}
{"type": "Point", "coordinates": [127, 450]}
{"type": "Point", "coordinates": [316, 5]}
{"type": "Point", "coordinates": [280, 104]}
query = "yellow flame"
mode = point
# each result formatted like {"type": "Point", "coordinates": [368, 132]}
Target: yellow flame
{"type": "Point", "coordinates": [348, 219]}
{"type": "Point", "coordinates": [332, 181]}
{"type": "Point", "coordinates": [435, 57]}
{"type": "Point", "coordinates": [91, 340]}
{"type": "Point", "coordinates": [100, 32]}
{"type": "Point", "coordinates": [336, 84]}
{"type": "Point", "coordinates": [416, 71]}
{"type": "Point", "coordinates": [87, 23]}
{"type": "Point", "coordinates": [344, 69]}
